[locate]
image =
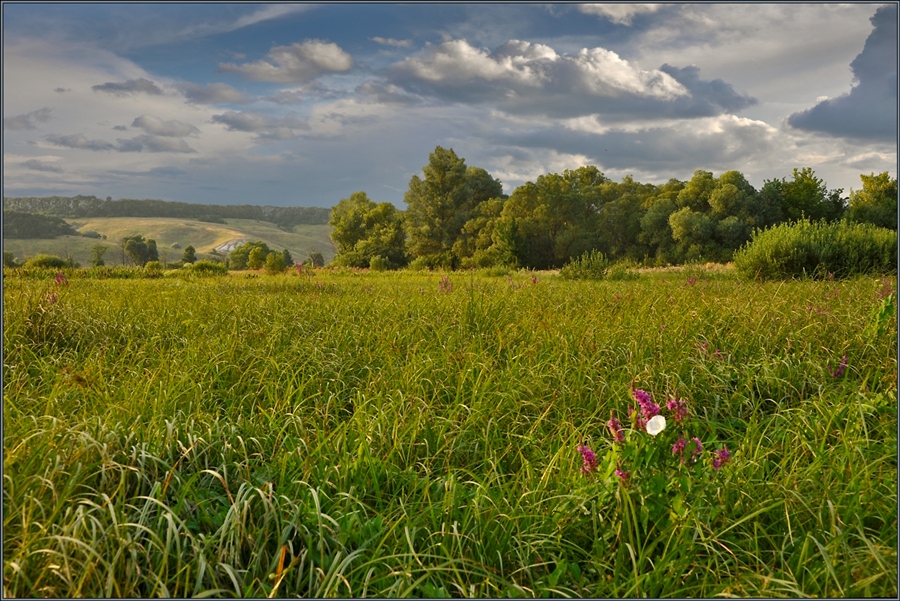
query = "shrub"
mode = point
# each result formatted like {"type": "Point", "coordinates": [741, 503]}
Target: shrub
{"type": "Point", "coordinates": [46, 261]}
{"type": "Point", "coordinates": [274, 263]}
{"type": "Point", "coordinates": [591, 265]}
{"type": "Point", "coordinates": [204, 268]}
{"type": "Point", "coordinates": [153, 269]}
{"type": "Point", "coordinates": [817, 249]}
{"type": "Point", "coordinates": [623, 270]}
{"type": "Point", "coordinates": [379, 263]}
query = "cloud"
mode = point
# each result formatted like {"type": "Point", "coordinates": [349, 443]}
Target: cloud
{"type": "Point", "coordinates": [392, 42]}
{"type": "Point", "coordinates": [524, 78]}
{"type": "Point", "coordinates": [621, 14]}
{"type": "Point", "coordinates": [214, 93]}
{"type": "Point", "coordinates": [144, 143]}
{"type": "Point", "coordinates": [26, 121]}
{"type": "Point", "coordinates": [707, 97]}
{"type": "Point", "coordinates": [62, 90]}
{"type": "Point", "coordinates": [154, 172]}
{"type": "Point", "coordinates": [79, 141]}
{"type": "Point", "coordinates": [267, 127]}
{"type": "Point", "coordinates": [36, 165]}
{"type": "Point", "coordinates": [158, 127]}
{"type": "Point", "coordinates": [126, 88]}
{"type": "Point", "coordinates": [296, 63]}
{"type": "Point", "coordinates": [869, 110]}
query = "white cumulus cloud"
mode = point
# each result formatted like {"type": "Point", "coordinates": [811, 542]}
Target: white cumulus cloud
{"type": "Point", "coordinates": [296, 63]}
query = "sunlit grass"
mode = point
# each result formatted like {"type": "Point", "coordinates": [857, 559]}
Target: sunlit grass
{"type": "Point", "coordinates": [354, 434]}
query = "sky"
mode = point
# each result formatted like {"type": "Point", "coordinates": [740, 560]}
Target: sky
{"type": "Point", "coordinates": [304, 104]}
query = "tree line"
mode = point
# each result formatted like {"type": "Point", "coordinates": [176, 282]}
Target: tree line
{"type": "Point", "coordinates": [458, 217]}
{"type": "Point", "coordinates": [75, 207]}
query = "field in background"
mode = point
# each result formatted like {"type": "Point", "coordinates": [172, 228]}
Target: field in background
{"type": "Point", "coordinates": [203, 236]}
{"type": "Point", "coordinates": [415, 434]}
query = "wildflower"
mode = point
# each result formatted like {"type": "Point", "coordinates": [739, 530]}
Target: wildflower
{"type": "Point", "coordinates": [299, 267]}
{"type": "Point", "coordinates": [678, 407]}
{"type": "Point", "coordinates": [697, 449]}
{"type": "Point", "coordinates": [623, 475]}
{"type": "Point", "coordinates": [656, 425]}
{"type": "Point", "coordinates": [839, 370]}
{"type": "Point", "coordinates": [720, 458]}
{"type": "Point", "coordinates": [678, 447]}
{"type": "Point", "coordinates": [445, 285]}
{"type": "Point", "coordinates": [590, 459]}
{"type": "Point", "coordinates": [638, 420]}
{"type": "Point", "coordinates": [648, 407]}
{"type": "Point", "coordinates": [534, 279]}
{"type": "Point", "coordinates": [51, 300]}
{"type": "Point", "coordinates": [61, 279]}
{"type": "Point", "coordinates": [616, 428]}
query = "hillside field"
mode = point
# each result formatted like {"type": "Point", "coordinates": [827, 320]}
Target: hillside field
{"type": "Point", "coordinates": [345, 433]}
{"type": "Point", "coordinates": [203, 236]}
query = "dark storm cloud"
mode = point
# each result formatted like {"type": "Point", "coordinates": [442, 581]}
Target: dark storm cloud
{"type": "Point", "coordinates": [707, 98]}
{"type": "Point", "coordinates": [869, 110]}
{"type": "Point", "coordinates": [126, 88]}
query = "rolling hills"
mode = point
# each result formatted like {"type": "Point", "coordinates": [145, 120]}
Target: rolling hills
{"type": "Point", "coordinates": [172, 235]}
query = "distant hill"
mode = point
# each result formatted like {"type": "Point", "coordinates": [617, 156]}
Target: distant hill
{"type": "Point", "coordinates": [172, 235]}
{"type": "Point", "coordinates": [80, 207]}
{"type": "Point", "coordinates": [174, 225]}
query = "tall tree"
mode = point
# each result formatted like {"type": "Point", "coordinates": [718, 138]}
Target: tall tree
{"type": "Point", "coordinates": [876, 203]}
{"type": "Point", "coordinates": [440, 205]}
{"type": "Point", "coordinates": [363, 230]}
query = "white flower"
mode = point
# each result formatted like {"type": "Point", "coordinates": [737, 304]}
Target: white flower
{"type": "Point", "coordinates": [656, 425]}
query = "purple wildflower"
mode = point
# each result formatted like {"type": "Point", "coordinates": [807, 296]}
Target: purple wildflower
{"type": "Point", "coordinates": [720, 458]}
{"type": "Point", "coordinates": [678, 447]}
{"type": "Point", "coordinates": [698, 449]}
{"type": "Point", "coordinates": [623, 475]}
{"type": "Point", "coordinates": [590, 459]}
{"type": "Point", "coordinates": [839, 370]}
{"type": "Point", "coordinates": [534, 279]}
{"type": "Point", "coordinates": [638, 420]}
{"type": "Point", "coordinates": [616, 428]}
{"type": "Point", "coordinates": [445, 285]}
{"type": "Point", "coordinates": [678, 407]}
{"type": "Point", "coordinates": [61, 279]}
{"type": "Point", "coordinates": [648, 407]}
{"type": "Point", "coordinates": [299, 267]}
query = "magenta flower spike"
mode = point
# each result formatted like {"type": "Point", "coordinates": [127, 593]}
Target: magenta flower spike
{"type": "Point", "coordinates": [623, 475]}
{"type": "Point", "coordinates": [839, 370]}
{"type": "Point", "coordinates": [616, 428]}
{"type": "Point", "coordinates": [720, 458]}
{"type": "Point", "coordinates": [589, 458]}
{"type": "Point", "coordinates": [678, 407]}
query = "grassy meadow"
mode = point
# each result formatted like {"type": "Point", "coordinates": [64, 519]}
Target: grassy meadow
{"type": "Point", "coordinates": [358, 434]}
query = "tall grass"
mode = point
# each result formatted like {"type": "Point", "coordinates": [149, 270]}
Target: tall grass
{"type": "Point", "coordinates": [393, 435]}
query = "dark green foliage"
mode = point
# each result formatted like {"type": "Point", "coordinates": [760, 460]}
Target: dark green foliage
{"type": "Point", "coordinates": [286, 258]}
{"type": "Point", "coordinates": [441, 204]}
{"type": "Point", "coordinates": [152, 252]}
{"type": "Point", "coordinates": [91, 206]}
{"type": "Point", "coordinates": [804, 197]}
{"type": "Point", "coordinates": [9, 259]}
{"type": "Point", "coordinates": [137, 250]}
{"type": "Point", "coordinates": [818, 249]}
{"type": "Point", "coordinates": [190, 255]}
{"type": "Point", "coordinates": [317, 259]}
{"type": "Point", "coordinates": [17, 225]}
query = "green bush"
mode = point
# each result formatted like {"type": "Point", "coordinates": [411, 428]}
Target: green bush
{"type": "Point", "coordinates": [818, 250]}
{"type": "Point", "coordinates": [204, 268]}
{"type": "Point", "coordinates": [379, 263]}
{"type": "Point", "coordinates": [42, 261]}
{"type": "Point", "coordinates": [589, 266]}
{"type": "Point", "coordinates": [623, 270]}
